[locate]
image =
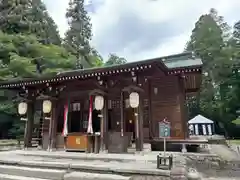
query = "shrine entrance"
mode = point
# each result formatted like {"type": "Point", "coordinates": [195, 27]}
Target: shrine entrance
{"type": "Point", "coordinates": [130, 123]}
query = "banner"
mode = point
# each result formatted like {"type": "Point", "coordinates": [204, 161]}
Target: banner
{"type": "Point", "coordinates": [90, 128]}
{"type": "Point", "coordinates": [65, 126]}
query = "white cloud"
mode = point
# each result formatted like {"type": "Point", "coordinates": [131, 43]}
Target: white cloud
{"type": "Point", "coordinates": [138, 29]}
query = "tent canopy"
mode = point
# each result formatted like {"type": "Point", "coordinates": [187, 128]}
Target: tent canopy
{"type": "Point", "coordinates": [199, 119]}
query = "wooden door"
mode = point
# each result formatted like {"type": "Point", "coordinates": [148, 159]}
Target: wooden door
{"type": "Point", "coordinates": [130, 121]}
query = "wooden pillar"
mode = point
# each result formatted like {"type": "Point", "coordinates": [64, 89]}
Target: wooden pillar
{"type": "Point", "coordinates": [49, 132]}
{"type": "Point", "coordinates": [53, 125]}
{"type": "Point", "coordinates": [122, 113]}
{"type": "Point", "coordinates": [51, 117]}
{"type": "Point", "coordinates": [151, 135]}
{"type": "Point", "coordinates": [29, 125]}
{"type": "Point", "coordinates": [141, 106]}
{"type": "Point", "coordinates": [139, 124]}
{"type": "Point", "coordinates": [104, 126]}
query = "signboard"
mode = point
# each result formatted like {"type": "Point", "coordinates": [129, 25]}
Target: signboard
{"type": "Point", "coordinates": [164, 129]}
{"type": "Point", "coordinates": [164, 132]}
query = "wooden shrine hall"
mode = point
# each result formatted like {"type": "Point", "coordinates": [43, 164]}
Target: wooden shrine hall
{"type": "Point", "coordinates": [109, 108]}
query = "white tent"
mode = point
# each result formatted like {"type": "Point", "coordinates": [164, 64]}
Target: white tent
{"type": "Point", "coordinates": [199, 119]}
{"type": "Point", "coordinates": [200, 125]}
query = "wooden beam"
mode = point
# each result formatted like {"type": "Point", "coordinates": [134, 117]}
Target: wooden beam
{"type": "Point", "coordinates": [97, 92]}
{"type": "Point", "coordinates": [132, 88]}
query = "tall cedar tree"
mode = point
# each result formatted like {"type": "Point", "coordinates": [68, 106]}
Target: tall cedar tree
{"type": "Point", "coordinates": [78, 36]}
{"type": "Point", "coordinates": [44, 26]}
{"type": "Point", "coordinates": [209, 40]}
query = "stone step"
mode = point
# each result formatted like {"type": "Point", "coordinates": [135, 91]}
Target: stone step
{"type": "Point", "coordinates": [32, 172]}
{"type": "Point", "coordinates": [93, 176]}
{"type": "Point", "coordinates": [12, 177]}
{"type": "Point", "coordinates": [69, 176]}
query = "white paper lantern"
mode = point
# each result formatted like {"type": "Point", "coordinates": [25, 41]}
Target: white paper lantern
{"type": "Point", "coordinates": [99, 102]}
{"type": "Point", "coordinates": [134, 99]}
{"type": "Point", "coordinates": [22, 108]}
{"type": "Point", "coordinates": [47, 106]}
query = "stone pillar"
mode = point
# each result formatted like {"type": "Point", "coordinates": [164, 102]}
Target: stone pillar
{"type": "Point", "coordinates": [184, 149]}
{"type": "Point", "coordinates": [29, 125]}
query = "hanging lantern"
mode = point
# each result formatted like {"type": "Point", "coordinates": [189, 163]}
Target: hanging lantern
{"type": "Point", "coordinates": [22, 108]}
{"type": "Point", "coordinates": [47, 106]}
{"type": "Point", "coordinates": [134, 99]}
{"type": "Point", "coordinates": [99, 102]}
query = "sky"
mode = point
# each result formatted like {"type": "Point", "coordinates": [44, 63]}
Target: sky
{"type": "Point", "coordinates": [142, 29]}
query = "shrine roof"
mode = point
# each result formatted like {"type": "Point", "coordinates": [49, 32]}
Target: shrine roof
{"type": "Point", "coordinates": [168, 64]}
{"type": "Point", "coordinates": [182, 60]}
{"type": "Point", "coordinates": [181, 63]}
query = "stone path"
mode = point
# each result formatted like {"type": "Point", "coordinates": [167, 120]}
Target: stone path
{"type": "Point", "coordinates": [144, 163]}
{"type": "Point", "coordinates": [224, 152]}
{"type": "Point", "coordinates": [15, 162]}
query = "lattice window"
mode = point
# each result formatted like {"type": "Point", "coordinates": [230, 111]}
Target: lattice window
{"type": "Point", "coordinates": [115, 104]}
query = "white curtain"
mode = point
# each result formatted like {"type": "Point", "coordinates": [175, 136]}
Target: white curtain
{"type": "Point", "coordinates": [204, 129]}
{"type": "Point", "coordinates": [209, 129]}
{"type": "Point", "coordinates": [196, 129]}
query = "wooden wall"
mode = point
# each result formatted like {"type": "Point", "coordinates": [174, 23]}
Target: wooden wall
{"type": "Point", "coordinates": [167, 97]}
{"type": "Point", "coordinates": [168, 103]}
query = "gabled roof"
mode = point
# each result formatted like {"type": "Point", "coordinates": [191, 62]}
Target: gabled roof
{"type": "Point", "coordinates": [172, 64]}
{"type": "Point", "coordinates": [199, 119]}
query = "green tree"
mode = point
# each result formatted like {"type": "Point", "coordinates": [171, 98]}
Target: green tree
{"type": "Point", "coordinates": [78, 36]}
{"type": "Point", "coordinates": [15, 16]}
{"type": "Point", "coordinates": [44, 26]}
{"type": "Point", "coordinates": [18, 56]}
{"type": "Point", "coordinates": [209, 40]}
{"type": "Point", "coordinates": [115, 60]}
{"type": "Point", "coordinates": [28, 17]}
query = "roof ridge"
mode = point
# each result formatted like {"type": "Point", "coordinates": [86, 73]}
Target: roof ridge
{"type": "Point", "coordinates": [167, 58]}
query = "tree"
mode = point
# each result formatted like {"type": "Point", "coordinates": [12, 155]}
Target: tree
{"type": "Point", "coordinates": [78, 36]}
{"type": "Point", "coordinates": [19, 55]}
{"type": "Point", "coordinates": [28, 17]}
{"type": "Point", "coordinates": [115, 60]}
{"type": "Point", "coordinates": [14, 16]}
{"type": "Point", "coordinates": [209, 40]}
{"type": "Point", "coordinates": [44, 26]}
